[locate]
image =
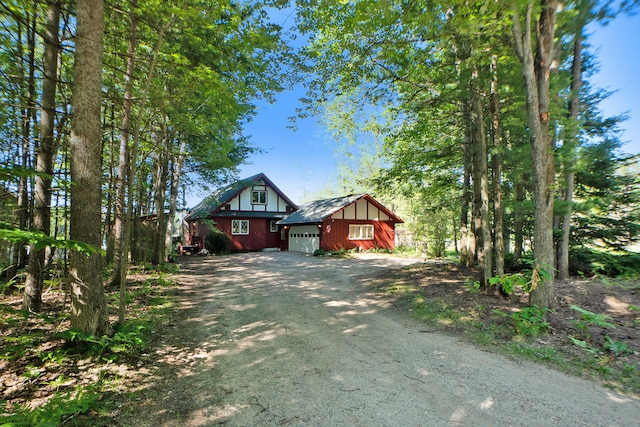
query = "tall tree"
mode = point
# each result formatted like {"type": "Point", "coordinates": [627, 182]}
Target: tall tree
{"type": "Point", "coordinates": [536, 72]}
{"type": "Point", "coordinates": [119, 257]}
{"type": "Point", "coordinates": [32, 300]}
{"type": "Point", "coordinates": [570, 154]}
{"type": "Point", "coordinates": [88, 303]}
{"type": "Point", "coordinates": [480, 184]}
{"type": "Point", "coordinates": [496, 163]}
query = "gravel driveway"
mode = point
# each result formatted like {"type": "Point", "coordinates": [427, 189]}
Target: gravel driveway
{"type": "Point", "coordinates": [288, 339]}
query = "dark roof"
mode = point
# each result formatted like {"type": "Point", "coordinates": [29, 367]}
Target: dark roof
{"type": "Point", "coordinates": [220, 197]}
{"type": "Point", "coordinates": [314, 212]}
{"type": "Point", "coordinates": [249, 214]}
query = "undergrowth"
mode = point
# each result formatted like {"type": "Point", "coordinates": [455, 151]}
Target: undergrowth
{"type": "Point", "coordinates": [49, 357]}
{"type": "Point", "coordinates": [524, 332]}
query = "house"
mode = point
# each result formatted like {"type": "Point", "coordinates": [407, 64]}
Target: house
{"type": "Point", "coordinates": [247, 211]}
{"type": "Point", "coordinates": [351, 222]}
{"type": "Point", "coordinates": [256, 215]}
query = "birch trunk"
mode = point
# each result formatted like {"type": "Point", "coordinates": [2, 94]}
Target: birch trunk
{"type": "Point", "coordinates": [173, 194]}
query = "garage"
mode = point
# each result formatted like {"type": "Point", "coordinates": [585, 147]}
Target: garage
{"type": "Point", "coordinates": [304, 238]}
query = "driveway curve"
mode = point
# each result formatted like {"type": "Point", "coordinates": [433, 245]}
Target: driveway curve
{"type": "Point", "coordinates": [289, 339]}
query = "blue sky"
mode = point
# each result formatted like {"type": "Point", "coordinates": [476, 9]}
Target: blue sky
{"type": "Point", "coordinates": [301, 163]}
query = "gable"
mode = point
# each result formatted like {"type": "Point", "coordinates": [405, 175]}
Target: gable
{"type": "Point", "coordinates": [238, 197]}
{"type": "Point", "coordinates": [362, 209]}
{"type": "Point", "coordinates": [259, 196]}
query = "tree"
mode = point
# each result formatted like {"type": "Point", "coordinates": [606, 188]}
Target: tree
{"type": "Point", "coordinates": [536, 72]}
{"type": "Point", "coordinates": [32, 300]}
{"type": "Point", "coordinates": [119, 272]}
{"type": "Point", "coordinates": [88, 303]}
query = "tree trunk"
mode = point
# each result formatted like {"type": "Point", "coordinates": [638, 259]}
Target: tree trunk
{"type": "Point", "coordinates": [467, 238]}
{"type": "Point", "coordinates": [32, 300]}
{"type": "Point", "coordinates": [173, 194]}
{"type": "Point", "coordinates": [120, 257]}
{"type": "Point", "coordinates": [130, 235]}
{"type": "Point", "coordinates": [28, 106]}
{"type": "Point", "coordinates": [536, 73]}
{"type": "Point", "coordinates": [160, 186]}
{"type": "Point", "coordinates": [518, 221]}
{"type": "Point", "coordinates": [455, 234]}
{"type": "Point", "coordinates": [111, 185]}
{"type": "Point", "coordinates": [481, 188]}
{"type": "Point", "coordinates": [570, 155]}
{"type": "Point", "coordinates": [496, 160]}
{"type": "Point", "coordinates": [88, 303]}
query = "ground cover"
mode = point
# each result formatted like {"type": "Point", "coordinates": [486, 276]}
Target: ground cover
{"type": "Point", "coordinates": [49, 375]}
{"type": "Point", "coordinates": [593, 329]}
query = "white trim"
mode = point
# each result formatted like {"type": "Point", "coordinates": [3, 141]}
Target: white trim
{"type": "Point", "coordinates": [239, 227]}
{"type": "Point", "coordinates": [258, 193]}
{"type": "Point", "coordinates": [361, 232]}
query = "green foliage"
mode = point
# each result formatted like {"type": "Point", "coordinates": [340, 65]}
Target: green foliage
{"type": "Point", "coordinates": [128, 341]}
{"type": "Point", "coordinates": [527, 280]}
{"type": "Point", "coordinates": [51, 413]}
{"type": "Point", "coordinates": [591, 318]}
{"type": "Point", "coordinates": [40, 240]}
{"type": "Point", "coordinates": [590, 262]}
{"type": "Point", "coordinates": [618, 348]}
{"type": "Point", "coordinates": [168, 267]}
{"type": "Point", "coordinates": [608, 190]}
{"type": "Point", "coordinates": [529, 321]}
{"type": "Point", "coordinates": [584, 345]}
{"type": "Point", "coordinates": [217, 242]}
{"type": "Point", "coordinates": [508, 282]}
{"type": "Point", "coordinates": [473, 287]}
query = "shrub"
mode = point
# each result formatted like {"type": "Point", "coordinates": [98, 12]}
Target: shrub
{"type": "Point", "coordinates": [590, 262]}
{"type": "Point", "coordinates": [217, 242]}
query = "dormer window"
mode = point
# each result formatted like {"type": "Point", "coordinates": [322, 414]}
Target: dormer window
{"type": "Point", "coordinates": [259, 197]}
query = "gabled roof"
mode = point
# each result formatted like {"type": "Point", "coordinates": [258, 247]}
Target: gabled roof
{"type": "Point", "coordinates": [220, 197]}
{"type": "Point", "coordinates": [314, 212]}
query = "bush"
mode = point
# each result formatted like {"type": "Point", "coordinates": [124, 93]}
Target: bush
{"type": "Point", "coordinates": [217, 242]}
{"type": "Point", "coordinates": [512, 265]}
{"type": "Point", "coordinates": [590, 262]}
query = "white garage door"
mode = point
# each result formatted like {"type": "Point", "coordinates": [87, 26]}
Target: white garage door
{"type": "Point", "coordinates": [304, 238]}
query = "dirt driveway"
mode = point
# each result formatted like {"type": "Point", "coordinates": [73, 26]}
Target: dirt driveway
{"type": "Point", "coordinates": [288, 339]}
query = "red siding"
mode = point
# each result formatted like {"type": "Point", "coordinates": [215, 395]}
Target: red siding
{"type": "Point", "coordinates": [259, 236]}
{"type": "Point", "coordinates": [335, 235]}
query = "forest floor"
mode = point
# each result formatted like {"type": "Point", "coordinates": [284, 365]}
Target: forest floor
{"type": "Point", "coordinates": [288, 339]}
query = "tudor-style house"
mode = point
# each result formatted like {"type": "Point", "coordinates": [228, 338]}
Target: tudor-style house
{"type": "Point", "coordinates": [256, 215]}
{"type": "Point", "coordinates": [350, 222]}
{"type": "Point", "coordinates": [247, 211]}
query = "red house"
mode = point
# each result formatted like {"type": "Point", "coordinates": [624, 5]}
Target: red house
{"type": "Point", "coordinates": [247, 211]}
{"type": "Point", "coordinates": [351, 222]}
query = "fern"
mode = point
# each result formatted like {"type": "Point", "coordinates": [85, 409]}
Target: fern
{"type": "Point", "coordinates": [51, 413]}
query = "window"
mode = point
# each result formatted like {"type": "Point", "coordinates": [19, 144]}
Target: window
{"type": "Point", "coordinates": [239, 226]}
{"type": "Point", "coordinates": [259, 197]}
{"type": "Point", "coordinates": [272, 226]}
{"type": "Point", "coordinates": [360, 232]}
